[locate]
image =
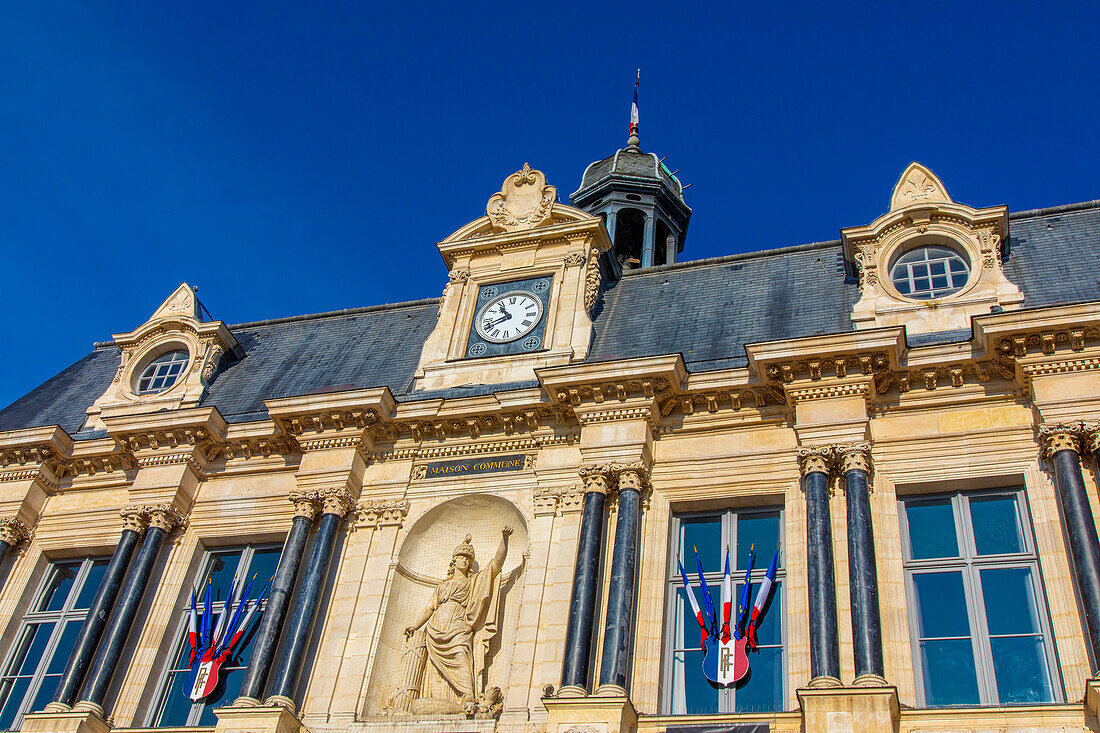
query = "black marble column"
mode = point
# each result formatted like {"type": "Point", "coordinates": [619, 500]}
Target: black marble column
{"type": "Point", "coordinates": [855, 464]}
{"type": "Point", "coordinates": [821, 580]}
{"type": "Point", "coordinates": [81, 657]}
{"type": "Point", "coordinates": [161, 521]}
{"type": "Point", "coordinates": [335, 506]}
{"type": "Point", "coordinates": [1061, 445]}
{"type": "Point", "coordinates": [278, 600]}
{"type": "Point", "coordinates": [586, 573]}
{"type": "Point", "coordinates": [620, 592]}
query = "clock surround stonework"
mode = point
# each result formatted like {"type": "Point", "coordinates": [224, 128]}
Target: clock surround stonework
{"type": "Point", "coordinates": [521, 238]}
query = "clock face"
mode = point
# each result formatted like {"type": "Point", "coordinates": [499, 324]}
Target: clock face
{"type": "Point", "coordinates": [508, 317]}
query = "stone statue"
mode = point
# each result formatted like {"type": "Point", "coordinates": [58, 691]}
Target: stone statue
{"type": "Point", "coordinates": [459, 622]}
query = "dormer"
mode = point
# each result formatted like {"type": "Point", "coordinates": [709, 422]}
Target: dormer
{"type": "Point", "coordinates": [929, 264]}
{"type": "Point", "coordinates": [522, 283]}
{"type": "Point", "coordinates": [166, 362]}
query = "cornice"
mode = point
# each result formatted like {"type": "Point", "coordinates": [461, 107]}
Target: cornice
{"type": "Point", "coordinates": [829, 388]}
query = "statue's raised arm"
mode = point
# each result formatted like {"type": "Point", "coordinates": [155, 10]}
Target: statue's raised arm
{"type": "Point", "coordinates": [498, 560]}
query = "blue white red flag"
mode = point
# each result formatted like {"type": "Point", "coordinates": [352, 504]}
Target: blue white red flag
{"type": "Point", "coordinates": [727, 601]}
{"type": "Point", "coordinates": [634, 104]}
{"type": "Point", "coordinates": [762, 598]}
{"type": "Point", "coordinates": [193, 630]}
{"type": "Point", "coordinates": [690, 593]}
{"type": "Point", "coordinates": [216, 645]}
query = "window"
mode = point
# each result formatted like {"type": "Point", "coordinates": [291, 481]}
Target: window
{"type": "Point", "coordinates": [929, 272]}
{"type": "Point", "coordinates": [685, 690]}
{"type": "Point", "coordinates": [219, 569]}
{"type": "Point", "coordinates": [162, 372]}
{"type": "Point", "coordinates": [46, 638]}
{"type": "Point", "coordinates": [978, 620]}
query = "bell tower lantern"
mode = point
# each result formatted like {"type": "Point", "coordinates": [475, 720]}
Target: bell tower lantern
{"type": "Point", "coordinates": [642, 203]}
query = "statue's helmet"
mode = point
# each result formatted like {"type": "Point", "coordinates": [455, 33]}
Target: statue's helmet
{"type": "Point", "coordinates": [465, 549]}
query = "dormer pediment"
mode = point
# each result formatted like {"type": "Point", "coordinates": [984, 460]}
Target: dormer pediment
{"type": "Point", "coordinates": [166, 362]}
{"type": "Point", "coordinates": [929, 263]}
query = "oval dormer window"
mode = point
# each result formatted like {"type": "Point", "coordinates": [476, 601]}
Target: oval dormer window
{"type": "Point", "coordinates": [161, 373]}
{"type": "Point", "coordinates": [931, 271]}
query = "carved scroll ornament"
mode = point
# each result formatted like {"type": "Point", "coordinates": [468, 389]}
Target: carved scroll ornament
{"type": "Point", "coordinates": [524, 201]}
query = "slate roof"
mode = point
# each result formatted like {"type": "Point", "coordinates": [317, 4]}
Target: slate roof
{"type": "Point", "coordinates": [706, 310]}
{"type": "Point", "coordinates": [629, 163]}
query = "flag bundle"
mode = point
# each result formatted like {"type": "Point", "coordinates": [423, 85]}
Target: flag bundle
{"type": "Point", "coordinates": [727, 626]}
{"type": "Point", "coordinates": [213, 642]}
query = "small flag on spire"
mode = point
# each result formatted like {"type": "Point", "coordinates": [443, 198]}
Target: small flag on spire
{"type": "Point", "coordinates": [634, 104]}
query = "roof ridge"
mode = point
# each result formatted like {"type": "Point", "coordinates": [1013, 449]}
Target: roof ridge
{"type": "Point", "coordinates": [1063, 208]}
{"type": "Point", "coordinates": [313, 316]}
{"type": "Point", "coordinates": [734, 257]}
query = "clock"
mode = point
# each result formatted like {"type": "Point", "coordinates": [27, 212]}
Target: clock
{"type": "Point", "coordinates": [510, 318]}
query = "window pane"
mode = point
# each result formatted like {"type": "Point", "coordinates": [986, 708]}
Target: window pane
{"type": "Point", "coordinates": [941, 605]}
{"type": "Point", "coordinates": [1021, 668]}
{"type": "Point", "coordinates": [761, 530]}
{"type": "Point", "coordinates": [177, 705]}
{"type": "Point", "coordinates": [263, 566]}
{"type": "Point", "coordinates": [996, 525]}
{"type": "Point", "coordinates": [949, 676]}
{"type": "Point", "coordinates": [1009, 601]}
{"type": "Point", "coordinates": [902, 284]}
{"type": "Point", "coordinates": [91, 584]}
{"type": "Point", "coordinates": [58, 586]}
{"type": "Point", "coordinates": [31, 648]}
{"type": "Point", "coordinates": [64, 647]}
{"type": "Point", "coordinates": [704, 533]}
{"type": "Point", "coordinates": [45, 693]}
{"type": "Point", "coordinates": [769, 627]}
{"type": "Point", "coordinates": [762, 689]}
{"type": "Point", "coordinates": [12, 693]}
{"type": "Point", "coordinates": [222, 567]}
{"type": "Point", "coordinates": [692, 692]}
{"type": "Point", "coordinates": [931, 529]}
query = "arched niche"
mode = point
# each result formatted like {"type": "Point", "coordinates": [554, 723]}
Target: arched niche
{"type": "Point", "coordinates": [422, 563]}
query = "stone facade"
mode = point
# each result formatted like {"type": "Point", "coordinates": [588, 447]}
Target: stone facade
{"type": "Point", "coordinates": [1014, 403]}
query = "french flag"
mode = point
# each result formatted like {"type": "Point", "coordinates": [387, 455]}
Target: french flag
{"type": "Point", "coordinates": [708, 600]}
{"type": "Point", "coordinates": [762, 598]}
{"type": "Point", "coordinates": [193, 629]}
{"type": "Point", "coordinates": [690, 592]}
{"type": "Point", "coordinates": [634, 104]}
{"type": "Point", "coordinates": [727, 601]}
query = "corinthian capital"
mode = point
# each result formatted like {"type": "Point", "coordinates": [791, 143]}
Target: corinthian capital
{"type": "Point", "coordinates": [164, 517]}
{"type": "Point", "coordinates": [596, 478]}
{"type": "Point", "coordinates": [12, 531]}
{"type": "Point", "coordinates": [815, 459]}
{"type": "Point", "coordinates": [1090, 436]}
{"type": "Point", "coordinates": [305, 504]}
{"type": "Point", "coordinates": [335, 501]}
{"type": "Point", "coordinates": [631, 476]}
{"type": "Point", "coordinates": [853, 457]}
{"type": "Point", "coordinates": [134, 518]}
{"type": "Point", "coordinates": [1056, 437]}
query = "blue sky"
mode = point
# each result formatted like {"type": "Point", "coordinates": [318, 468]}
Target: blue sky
{"type": "Point", "coordinates": [293, 158]}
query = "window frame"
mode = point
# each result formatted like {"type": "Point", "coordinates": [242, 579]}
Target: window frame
{"type": "Point", "coordinates": [158, 361]}
{"type": "Point", "coordinates": [163, 687]}
{"type": "Point", "coordinates": [60, 618]}
{"type": "Point", "coordinates": [970, 564]}
{"type": "Point", "coordinates": [932, 292]}
{"type": "Point", "coordinates": [727, 695]}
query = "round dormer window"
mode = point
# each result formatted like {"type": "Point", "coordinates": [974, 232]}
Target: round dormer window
{"type": "Point", "coordinates": [932, 271]}
{"type": "Point", "coordinates": [161, 373]}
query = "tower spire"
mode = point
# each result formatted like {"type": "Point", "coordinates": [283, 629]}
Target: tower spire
{"type": "Point", "coordinates": [632, 141]}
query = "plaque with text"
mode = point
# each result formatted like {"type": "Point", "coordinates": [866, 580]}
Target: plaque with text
{"type": "Point", "coordinates": [475, 466]}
